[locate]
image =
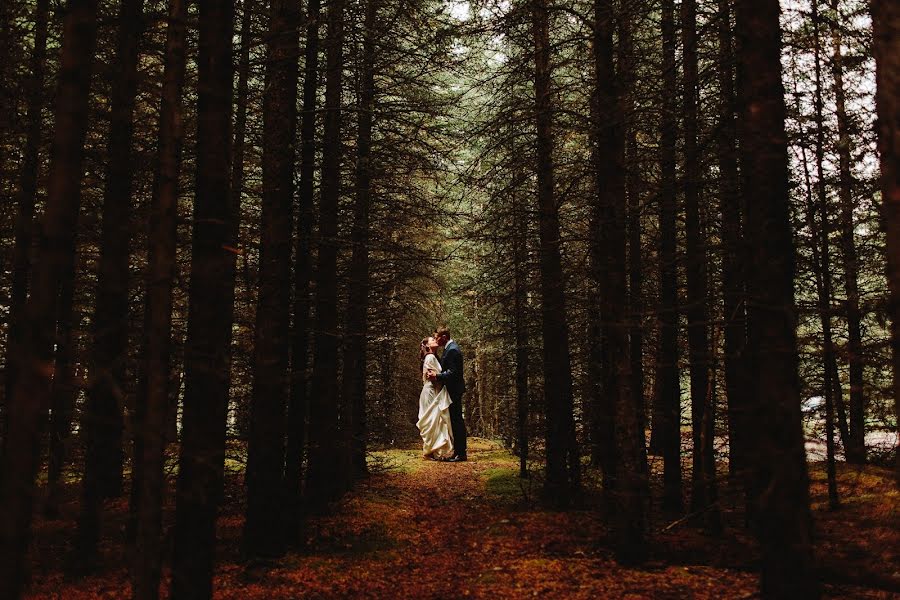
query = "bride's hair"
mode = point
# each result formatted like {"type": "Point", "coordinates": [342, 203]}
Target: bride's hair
{"type": "Point", "coordinates": [423, 351]}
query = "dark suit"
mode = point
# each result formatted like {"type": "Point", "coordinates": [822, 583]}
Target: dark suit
{"type": "Point", "coordinates": [452, 377]}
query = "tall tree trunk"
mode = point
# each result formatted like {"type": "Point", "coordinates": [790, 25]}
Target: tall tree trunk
{"type": "Point", "coordinates": [355, 365]}
{"type": "Point", "coordinates": [248, 9]}
{"type": "Point", "coordinates": [666, 433]}
{"type": "Point", "coordinates": [202, 460]}
{"type": "Point", "coordinates": [265, 459]}
{"type": "Point", "coordinates": [153, 405]}
{"type": "Point", "coordinates": [734, 301]}
{"type": "Point", "coordinates": [631, 486]}
{"type": "Point", "coordinates": [634, 191]}
{"type": "Point", "coordinates": [563, 468]}
{"type": "Point", "coordinates": [886, 26]}
{"type": "Point", "coordinates": [28, 186]}
{"type": "Point", "coordinates": [297, 401]}
{"type": "Point", "coordinates": [703, 486]}
{"type": "Point", "coordinates": [856, 444]}
{"type": "Point", "coordinates": [104, 419]}
{"type": "Point", "coordinates": [520, 332]}
{"type": "Point", "coordinates": [30, 396]}
{"type": "Point", "coordinates": [829, 387]}
{"type": "Point", "coordinates": [326, 478]}
{"type": "Point", "coordinates": [779, 480]}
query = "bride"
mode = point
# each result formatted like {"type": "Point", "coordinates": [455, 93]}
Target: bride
{"type": "Point", "coordinates": [434, 405]}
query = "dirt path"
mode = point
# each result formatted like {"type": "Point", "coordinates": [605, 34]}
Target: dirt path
{"type": "Point", "coordinates": [425, 530]}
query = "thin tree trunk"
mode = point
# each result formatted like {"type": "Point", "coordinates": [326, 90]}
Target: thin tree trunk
{"type": "Point", "coordinates": [733, 292]}
{"type": "Point", "coordinates": [666, 434]}
{"type": "Point", "coordinates": [355, 364]}
{"type": "Point", "coordinates": [634, 191]}
{"type": "Point", "coordinates": [326, 478]}
{"type": "Point", "coordinates": [207, 354]}
{"type": "Point", "coordinates": [886, 26]}
{"type": "Point", "coordinates": [153, 395]}
{"type": "Point", "coordinates": [563, 468]}
{"type": "Point", "coordinates": [631, 486]}
{"type": "Point", "coordinates": [297, 402]}
{"type": "Point", "coordinates": [779, 480]}
{"type": "Point", "coordinates": [30, 396]}
{"type": "Point", "coordinates": [237, 182]}
{"type": "Point", "coordinates": [520, 333]}
{"type": "Point", "coordinates": [104, 419]}
{"type": "Point", "coordinates": [265, 460]}
{"type": "Point", "coordinates": [702, 407]}
{"type": "Point", "coordinates": [856, 444]}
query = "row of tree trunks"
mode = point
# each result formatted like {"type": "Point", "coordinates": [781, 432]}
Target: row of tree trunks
{"type": "Point", "coordinates": [562, 458]}
{"type": "Point", "coordinates": [207, 355]}
{"type": "Point", "coordinates": [778, 481]}
{"type": "Point", "coordinates": [153, 405]}
{"type": "Point", "coordinates": [29, 401]}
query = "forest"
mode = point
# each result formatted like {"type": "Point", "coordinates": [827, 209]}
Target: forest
{"type": "Point", "coordinates": [665, 235]}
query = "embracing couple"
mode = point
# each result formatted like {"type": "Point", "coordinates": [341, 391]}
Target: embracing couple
{"type": "Point", "coordinates": [440, 403]}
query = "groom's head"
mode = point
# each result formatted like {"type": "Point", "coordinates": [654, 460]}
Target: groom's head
{"type": "Point", "coordinates": [442, 335]}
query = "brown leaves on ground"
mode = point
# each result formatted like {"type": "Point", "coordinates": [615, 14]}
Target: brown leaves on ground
{"type": "Point", "coordinates": [422, 529]}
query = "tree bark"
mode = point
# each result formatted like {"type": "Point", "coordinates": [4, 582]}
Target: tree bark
{"type": "Point", "coordinates": [207, 353]}
{"type": "Point", "coordinates": [886, 36]}
{"type": "Point", "coordinates": [563, 468]}
{"type": "Point", "coordinates": [30, 396]}
{"type": "Point", "coordinates": [153, 394]}
{"type": "Point", "coordinates": [779, 480]}
{"type": "Point", "coordinates": [326, 476]}
{"type": "Point", "coordinates": [265, 461]}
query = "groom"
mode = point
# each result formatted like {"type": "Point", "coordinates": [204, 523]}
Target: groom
{"type": "Point", "coordinates": [451, 375]}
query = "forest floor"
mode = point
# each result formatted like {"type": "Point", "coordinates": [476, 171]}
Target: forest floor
{"type": "Point", "coordinates": [422, 529]}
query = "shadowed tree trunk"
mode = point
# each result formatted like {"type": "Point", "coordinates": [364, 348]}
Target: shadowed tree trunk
{"type": "Point", "coordinates": [103, 421]}
{"type": "Point", "coordinates": [629, 473]}
{"type": "Point", "coordinates": [153, 405]}
{"type": "Point", "coordinates": [779, 482]}
{"type": "Point", "coordinates": [703, 489]}
{"type": "Point", "coordinates": [207, 354]}
{"type": "Point", "coordinates": [30, 397]}
{"type": "Point", "coordinates": [856, 443]}
{"type": "Point", "coordinates": [265, 460]}
{"type": "Point", "coordinates": [886, 26]}
{"type": "Point", "coordinates": [563, 468]}
{"type": "Point", "coordinates": [520, 332]}
{"type": "Point", "coordinates": [326, 478]}
{"type": "Point", "coordinates": [297, 402]}
{"type": "Point", "coordinates": [28, 187]}
{"type": "Point", "coordinates": [355, 364]}
{"type": "Point", "coordinates": [666, 433]}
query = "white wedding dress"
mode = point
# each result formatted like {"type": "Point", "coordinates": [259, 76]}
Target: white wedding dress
{"type": "Point", "coordinates": [434, 414]}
